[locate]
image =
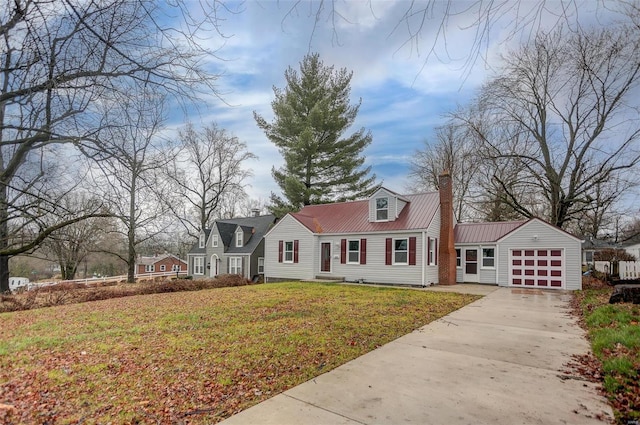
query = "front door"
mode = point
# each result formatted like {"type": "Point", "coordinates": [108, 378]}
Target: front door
{"type": "Point", "coordinates": [470, 268]}
{"type": "Point", "coordinates": [213, 270]}
{"type": "Point", "coordinates": [325, 257]}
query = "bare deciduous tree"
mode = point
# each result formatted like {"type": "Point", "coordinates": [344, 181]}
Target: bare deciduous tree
{"type": "Point", "coordinates": [57, 60]}
{"type": "Point", "coordinates": [131, 156]}
{"type": "Point", "coordinates": [452, 150]}
{"type": "Point", "coordinates": [568, 100]}
{"type": "Point", "coordinates": [208, 175]}
{"type": "Point", "coordinates": [71, 245]}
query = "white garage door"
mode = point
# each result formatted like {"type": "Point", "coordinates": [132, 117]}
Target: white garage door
{"type": "Point", "coordinates": [543, 268]}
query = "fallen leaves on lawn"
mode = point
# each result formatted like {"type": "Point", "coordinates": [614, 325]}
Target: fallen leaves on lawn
{"type": "Point", "coordinates": [193, 357]}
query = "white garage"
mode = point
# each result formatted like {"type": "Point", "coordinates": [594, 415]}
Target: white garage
{"type": "Point", "coordinates": [526, 254]}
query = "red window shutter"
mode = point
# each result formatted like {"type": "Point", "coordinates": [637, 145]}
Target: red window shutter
{"type": "Point", "coordinates": [343, 251]}
{"type": "Point", "coordinates": [412, 251]}
{"type": "Point", "coordinates": [363, 251]}
{"type": "Point", "coordinates": [280, 245]}
{"type": "Point", "coordinates": [295, 250]}
{"type": "Point", "coordinates": [435, 248]}
{"type": "Point", "coordinates": [388, 253]}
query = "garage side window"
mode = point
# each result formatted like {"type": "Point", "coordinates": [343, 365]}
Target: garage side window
{"type": "Point", "coordinates": [488, 257]}
{"type": "Point", "coordinates": [458, 260]}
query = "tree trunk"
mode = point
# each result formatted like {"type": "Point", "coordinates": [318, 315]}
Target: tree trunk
{"type": "Point", "coordinates": [131, 232]}
{"type": "Point", "coordinates": [4, 240]}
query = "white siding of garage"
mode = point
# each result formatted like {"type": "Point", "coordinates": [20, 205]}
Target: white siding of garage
{"type": "Point", "coordinates": [289, 229]}
{"type": "Point", "coordinates": [537, 234]}
{"type": "Point", "coordinates": [486, 275]}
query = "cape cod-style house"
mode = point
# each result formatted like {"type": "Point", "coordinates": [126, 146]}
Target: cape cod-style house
{"type": "Point", "coordinates": [414, 240]}
{"type": "Point", "coordinates": [234, 246]}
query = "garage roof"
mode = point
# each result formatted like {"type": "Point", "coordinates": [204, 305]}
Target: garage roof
{"type": "Point", "coordinates": [484, 232]}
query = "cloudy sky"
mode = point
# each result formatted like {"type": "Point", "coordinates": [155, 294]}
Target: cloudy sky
{"type": "Point", "coordinates": [406, 84]}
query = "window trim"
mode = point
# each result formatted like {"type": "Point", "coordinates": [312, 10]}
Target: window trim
{"type": "Point", "coordinates": [431, 252]}
{"type": "Point", "coordinates": [214, 241]}
{"type": "Point", "coordinates": [149, 268]}
{"type": "Point", "coordinates": [385, 209]}
{"type": "Point", "coordinates": [202, 241]}
{"type": "Point", "coordinates": [493, 258]}
{"type": "Point", "coordinates": [394, 251]}
{"type": "Point", "coordinates": [458, 258]}
{"type": "Point", "coordinates": [239, 239]}
{"type": "Point", "coordinates": [285, 251]}
{"type": "Point", "coordinates": [350, 251]}
{"type": "Point", "coordinates": [163, 267]}
{"type": "Point", "coordinates": [260, 265]}
{"type": "Point", "coordinates": [198, 264]}
{"type": "Point", "coordinates": [238, 265]}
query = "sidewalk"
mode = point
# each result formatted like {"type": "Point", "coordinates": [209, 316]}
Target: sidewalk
{"type": "Point", "coordinates": [495, 361]}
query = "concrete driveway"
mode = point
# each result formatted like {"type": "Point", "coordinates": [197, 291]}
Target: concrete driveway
{"type": "Point", "coordinates": [495, 361]}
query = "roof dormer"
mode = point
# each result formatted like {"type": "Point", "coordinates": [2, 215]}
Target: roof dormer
{"type": "Point", "coordinates": [385, 205]}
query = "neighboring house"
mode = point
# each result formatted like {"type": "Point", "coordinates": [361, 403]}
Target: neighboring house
{"type": "Point", "coordinates": [590, 246]}
{"type": "Point", "coordinates": [407, 239]}
{"type": "Point", "coordinates": [633, 248]}
{"type": "Point", "coordinates": [160, 263]}
{"type": "Point", "coordinates": [233, 246]}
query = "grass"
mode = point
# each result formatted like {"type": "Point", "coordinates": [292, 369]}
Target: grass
{"type": "Point", "coordinates": [614, 332]}
{"type": "Point", "coordinates": [194, 357]}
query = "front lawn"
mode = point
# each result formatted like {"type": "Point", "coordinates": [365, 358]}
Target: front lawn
{"type": "Point", "coordinates": [614, 332]}
{"type": "Point", "coordinates": [194, 357]}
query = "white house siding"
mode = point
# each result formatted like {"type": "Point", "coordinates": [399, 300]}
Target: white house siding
{"type": "Point", "coordinates": [633, 250]}
{"type": "Point", "coordinates": [486, 275]}
{"type": "Point", "coordinates": [539, 235]}
{"type": "Point", "coordinates": [431, 272]}
{"type": "Point", "coordinates": [375, 271]}
{"type": "Point", "coordinates": [289, 229]}
{"type": "Point", "coordinates": [395, 205]}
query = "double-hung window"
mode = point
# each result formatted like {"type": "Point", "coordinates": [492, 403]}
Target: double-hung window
{"type": "Point", "coordinates": [432, 251]}
{"type": "Point", "coordinates": [458, 257]}
{"type": "Point", "coordinates": [288, 252]}
{"type": "Point", "coordinates": [382, 209]}
{"type": "Point", "coordinates": [198, 265]}
{"type": "Point", "coordinates": [353, 255]}
{"type": "Point", "coordinates": [488, 257]}
{"type": "Point", "coordinates": [150, 268]}
{"type": "Point", "coordinates": [260, 265]}
{"type": "Point", "coordinates": [235, 265]}
{"type": "Point", "coordinates": [400, 251]}
{"type": "Point", "coordinates": [201, 241]}
{"type": "Point", "coordinates": [238, 239]}
{"type": "Point", "coordinates": [214, 241]}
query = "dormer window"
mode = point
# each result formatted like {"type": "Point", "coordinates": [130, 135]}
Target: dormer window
{"type": "Point", "coordinates": [239, 239]}
{"type": "Point", "coordinates": [382, 209]}
{"type": "Point", "coordinates": [202, 241]}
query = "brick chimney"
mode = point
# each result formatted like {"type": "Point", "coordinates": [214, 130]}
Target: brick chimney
{"type": "Point", "coordinates": [447, 251]}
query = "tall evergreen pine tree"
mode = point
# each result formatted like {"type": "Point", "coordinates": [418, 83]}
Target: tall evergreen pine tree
{"type": "Point", "coordinates": [312, 115]}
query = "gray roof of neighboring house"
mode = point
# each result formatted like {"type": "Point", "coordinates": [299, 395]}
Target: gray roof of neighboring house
{"type": "Point", "coordinates": [484, 232]}
{"type": "Point", "coordinates": [592, 244]}
{"type": "Point", "coordinates": [257, 226]}
{"type": "Point", "coordinates": [195, 249]}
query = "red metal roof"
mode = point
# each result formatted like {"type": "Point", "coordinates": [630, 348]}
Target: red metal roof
{"type": "Point", "coordinates": [353, 217]}
{"type": "Point", "coordinates": [484, 232]}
